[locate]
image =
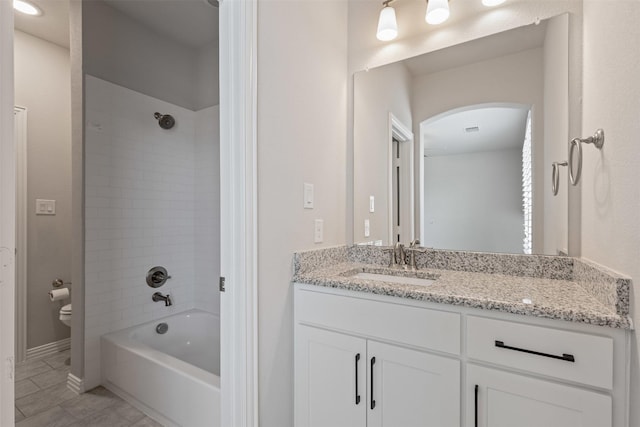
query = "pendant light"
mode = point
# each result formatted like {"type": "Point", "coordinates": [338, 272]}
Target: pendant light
{"type": "Point", "coordinates": [437, 11]}
{"type": "Point", "coordinates": [387, 24]}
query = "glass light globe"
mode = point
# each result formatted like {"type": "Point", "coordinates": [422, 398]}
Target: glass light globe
{"type": "Point", "coordinates": [387, 24]}
{"type": "Point", "coordinates": [437, 11]}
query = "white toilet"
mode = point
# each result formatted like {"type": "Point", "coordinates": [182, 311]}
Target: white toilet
{"type": "Point", "coordinates": [65, 315]}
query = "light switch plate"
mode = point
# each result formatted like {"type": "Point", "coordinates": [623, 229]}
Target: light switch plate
{"type": "Point", "coordinates": [308, 196]}
{"type": "Point", "coordinates": [45, 207]}
{"type": "Point", "coordinates": [318, 231]}
{"type": "Point", "coordinates": [372, 204]}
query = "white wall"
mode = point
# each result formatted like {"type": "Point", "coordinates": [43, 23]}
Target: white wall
{"type": "Point", "coordinates": [301, 134]}
{"type": "Point", "coordinates": [207, 214]}
{"type": "Point", "coordinates": [473, 201]}
{"type": "Point", "coordinates": [42, 85]}
{"type": "Point", "coordinates": [556, 134]}
{"type": "Point", "coordinates": [378, 92]}
{"type": "Point", "coordinates": [140, 210]}
{"type": "Point", "coordinates": [610, 195]}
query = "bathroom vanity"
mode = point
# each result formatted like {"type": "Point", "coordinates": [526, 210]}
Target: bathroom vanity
{"type": "Point", "coordinates": [484, 340]}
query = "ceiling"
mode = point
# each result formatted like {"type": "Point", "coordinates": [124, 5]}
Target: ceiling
{"type": "Point", "coordinates": [191, 22]}
{"type": "Point", "coordinates": [500, 128]}
{"type": "Point", "coordinates": [494, 46]}
{"type": "Point", "coordinates": [53, 25]}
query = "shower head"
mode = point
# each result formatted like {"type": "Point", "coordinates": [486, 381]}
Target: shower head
{"type": "Point", "coordinates": [166, 121]}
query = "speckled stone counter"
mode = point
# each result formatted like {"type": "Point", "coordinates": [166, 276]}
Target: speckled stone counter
{"type": "Point", "coordinates": [561, 288]}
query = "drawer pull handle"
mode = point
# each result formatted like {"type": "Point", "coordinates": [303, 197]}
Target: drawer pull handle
{"type": "Point", "coordinates": [357, 394]}
{"type": "Point", "coordinates": [373, 402]}
{"type": "Point", "coordinates": [475, 407]}
{"type": "Point", "coordinates": [565, 356]}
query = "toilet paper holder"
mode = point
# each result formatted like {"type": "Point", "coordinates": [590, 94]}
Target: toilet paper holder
{"type": "Point", "coordinates": [58, 283]}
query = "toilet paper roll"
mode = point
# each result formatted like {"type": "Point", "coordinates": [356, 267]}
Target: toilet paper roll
{"type": "Point", "coordinates": [58, 294]}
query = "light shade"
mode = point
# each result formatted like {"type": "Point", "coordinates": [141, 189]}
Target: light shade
{"type": "Point", "coordinates": [437, 11]}
{"type": "Point", "coordinates": [491, 3]}
{"type": "Point", "coordinates": [387, 25]}
{"type": "Point", "coordinates": [26, 8]}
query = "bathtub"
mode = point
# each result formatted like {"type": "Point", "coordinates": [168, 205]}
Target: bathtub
{"type": "Point", "coordinates": [173, 377]}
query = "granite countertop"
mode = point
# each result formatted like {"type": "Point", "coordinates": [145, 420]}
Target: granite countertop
{"type": "Point", "coordinates": [596, 296]}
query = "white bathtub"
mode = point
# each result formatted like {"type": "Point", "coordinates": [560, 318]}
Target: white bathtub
{"type": "Point", "coordinates": [173, 377]}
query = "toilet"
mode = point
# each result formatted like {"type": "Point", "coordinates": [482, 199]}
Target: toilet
{"type": "Point", "coordinates": [65, 315]}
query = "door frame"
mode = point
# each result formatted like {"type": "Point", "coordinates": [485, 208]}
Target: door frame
{"type": "Point", "coordinates": [21, 120]}
{"type": "Point", "coordinates": [402, 133]}
{"type": "Point", "coordinates": [7, 216]}
{"type": "Point", "coordinates": [238, 213]}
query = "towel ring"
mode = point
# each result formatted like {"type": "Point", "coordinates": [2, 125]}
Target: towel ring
{"type": "Point", "coordinates": [597, 139]}
{"type": "Point", "coordinates": [555, 176]}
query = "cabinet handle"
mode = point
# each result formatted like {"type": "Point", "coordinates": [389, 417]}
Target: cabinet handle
{"type": "Point", "coordinates": [373, 402]}
{"type": "Point", "coordinates": [565, 356]}
{"type": "Point", "coordinates": [475, 407]}
{"type": "Point", "coordinates": [357, 394]}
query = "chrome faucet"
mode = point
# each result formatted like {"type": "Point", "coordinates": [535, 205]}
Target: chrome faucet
{"type": "Point", "coordinates": [159, 297]}
{"type": "Point", "coordinates": [400, 255]}
{"type": "Point", "coordinates": [413, 248]}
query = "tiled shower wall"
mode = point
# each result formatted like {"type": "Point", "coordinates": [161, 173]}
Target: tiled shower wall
{"type": "Point", "coordinates": [140, 211]}
{"type": "Point", "coordinates": [207, 217]}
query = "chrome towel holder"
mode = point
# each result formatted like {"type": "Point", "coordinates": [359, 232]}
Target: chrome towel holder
{"type": "Point", "coordinates": [597, 139]}
{"type": "Point", "coordinates": [555, 176]}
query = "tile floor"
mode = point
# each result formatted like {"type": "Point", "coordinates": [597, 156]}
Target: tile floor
{"type": "Point", "coordinates": [43, 399]}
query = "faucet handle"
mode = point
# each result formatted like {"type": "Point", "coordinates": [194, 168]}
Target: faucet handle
{"type": "Point", "coordinates": [392, 252]}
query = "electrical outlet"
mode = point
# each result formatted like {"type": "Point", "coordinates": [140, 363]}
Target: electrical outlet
{"type": "Point", "coordinates": [318, 231]}
{"type": "Point", "coordinates": [367, 228]}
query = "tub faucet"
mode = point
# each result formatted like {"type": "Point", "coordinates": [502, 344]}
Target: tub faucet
{"type": "Point", "coordinates": [159, 297]}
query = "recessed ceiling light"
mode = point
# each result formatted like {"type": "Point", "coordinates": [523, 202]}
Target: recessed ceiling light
{"type": "Point", "coordinates": [26, 8]}
{"type": "Point", "coordinates": [491, 3]}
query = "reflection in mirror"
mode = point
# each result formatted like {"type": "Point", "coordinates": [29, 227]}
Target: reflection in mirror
{"type": "Point", "coordinates": [484, 121]}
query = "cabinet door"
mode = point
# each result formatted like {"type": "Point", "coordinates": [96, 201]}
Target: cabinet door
{"type": "Point", "coordinates": [409, 388]}
{"type": "Point", "coordinates": [507, 400]}
{"type": "Point", "coordinates": [330, 379]}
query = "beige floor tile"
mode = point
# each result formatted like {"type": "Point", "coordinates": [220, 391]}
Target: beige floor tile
{"type": "Point", "coordinates": [43, 400]}
{"type": "Point", "coordinates": [50, 378]}
{"type": "Point", "coordinates": [25, 387]}
{"type": "Point", "coordinates": [90, 403]}
{"type": "Point", "coordinates": [147, 422]}
{"type": "Point", "coordinates": [54, 417]}
{"type": "Point", "coordinates": [29, 369]}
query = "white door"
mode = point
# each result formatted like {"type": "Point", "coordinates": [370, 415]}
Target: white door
{"type": "Point", "coordinates": [507, 400]}
{"type": "Point", "coordinates": [409, 388]}
{"type": "Point", "coordinates": [329, 379]}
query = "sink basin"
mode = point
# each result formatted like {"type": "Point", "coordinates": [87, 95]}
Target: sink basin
{"type": "Point", "coordinates": [394, 279]}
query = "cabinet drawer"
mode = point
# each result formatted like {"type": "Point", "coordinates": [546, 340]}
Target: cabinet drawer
{"type": "Point", "coordinates": [420, 327]}
{"type": "Point", "coordinates": [567, 355]}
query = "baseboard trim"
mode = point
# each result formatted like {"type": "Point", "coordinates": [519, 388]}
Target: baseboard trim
{"type": "Point", "coordinates": [75, 384]}
{"type": "Point", "coordinates": [48, 349]}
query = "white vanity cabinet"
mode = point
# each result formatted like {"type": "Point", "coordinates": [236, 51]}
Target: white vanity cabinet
{"type": "Point", "coordinates": [370, 360]}
{"type": "Point", "coordinates": [502, 399]}
{"type": "Point", "coordinates": [342, 379]}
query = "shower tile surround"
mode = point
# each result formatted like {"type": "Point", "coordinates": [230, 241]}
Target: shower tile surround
{"type": "Point", "coordinates": [143, 207]}
{"type": "Point", "coordinates": [562, 288]}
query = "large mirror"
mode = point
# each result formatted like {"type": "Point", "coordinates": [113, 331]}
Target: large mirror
{"type": "Point", "coordinates": [455, 147]}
